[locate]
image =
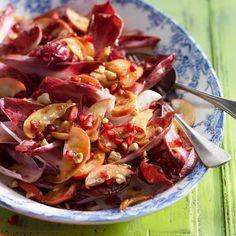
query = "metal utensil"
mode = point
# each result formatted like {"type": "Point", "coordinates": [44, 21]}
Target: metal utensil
{"type": "Point", "coordinates": [169, 83]}
{"type": "Point", "coordinates": [210, 154]}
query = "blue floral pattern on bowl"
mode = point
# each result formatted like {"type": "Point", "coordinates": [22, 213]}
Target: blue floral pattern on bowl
{"type": "Point", "coordinates": [192, 69]}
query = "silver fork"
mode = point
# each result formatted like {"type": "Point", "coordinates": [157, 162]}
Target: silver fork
{"type": "Point", "coordinates": [209, 153]}
{"type": "Point", "coordinates": [225, 105]}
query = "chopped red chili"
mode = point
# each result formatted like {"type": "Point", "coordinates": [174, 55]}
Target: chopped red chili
{"type": "Point", "coordinates": [130, 127]}
{"type": "Point", "coordinates": [111, 134]}
{"type": "Point", "coordinates": [91, 155]}
{"type": "Point", "coordinates": [118, 141]}
{"type": "Point", "coordinates": [69, 154]}
{"type": "Point", "coordinates": [13, 220]}
{"type": "Point", "coordinates": [34, 125]}
{"type": "Point", "coordinates": [130, 139]}
{"type": "Point", "coordinates": [132, 67]}
{"type": "Point", "coordinates": [107, 126]}
{"type": "Point", "coordinates": [153, 105]}
{"type": "Point", "coordinates": [104, 175]}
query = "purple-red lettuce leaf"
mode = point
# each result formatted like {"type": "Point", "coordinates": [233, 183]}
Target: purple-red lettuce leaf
{"type": "Point", "coordinates": [18, 110]}
{"type": "Point", "coordinates": [154, 174]}
{"type": "Point", "coordinates": [105, 8]}
{"type": "Point", "coordinates": [105, 27]}
{"type": "Point", "coordinates": [156, 71]}
{"type": "Point", "coordinates": [24, 43]}
{"type": "Point", "coordinates": [18, 166]}
{"type": "Point", "coordinates": [36, 66]}
{"type": "Point", "coordinates": [72, 90]}
{"type": "Point", "coordinates": [9, 133]}
{"type": "Point", "coordinates": [137, 41]}
{"type": "Point", "coordinates": [30, 147]}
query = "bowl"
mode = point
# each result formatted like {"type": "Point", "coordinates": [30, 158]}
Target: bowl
{"type": "Point", "coordinates": [192, 69]}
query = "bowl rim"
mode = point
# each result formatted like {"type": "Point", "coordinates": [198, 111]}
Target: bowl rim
{"type": "Point", "coordinates": [77, 217]}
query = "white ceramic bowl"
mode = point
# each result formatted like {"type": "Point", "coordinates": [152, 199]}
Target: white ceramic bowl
{"type": "Point", "coordinates": [192, 69]}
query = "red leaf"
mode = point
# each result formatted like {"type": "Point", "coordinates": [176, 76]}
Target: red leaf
{"type": "Point", "coordinates": [137, 41]}
{"type": "Point", "coordinates": [36, 66]}
{"type": "Point", "coordinates": [17, 110]}
{"type": "Point", "coordinates": [105, 29]}
{"type": "Point", "coordinates": [104, 8]}
{"type": "Point", "coordinates": [153, 174]}
{"type": "Point", "coordinates": [72, 90]}
{"type": "Point", "coordinates": [158, 71]}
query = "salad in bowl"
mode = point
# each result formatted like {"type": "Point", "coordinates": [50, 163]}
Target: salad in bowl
{"type": "Point", "coordinates": [81, 126]}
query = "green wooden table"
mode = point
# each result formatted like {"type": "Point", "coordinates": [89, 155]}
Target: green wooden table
{"type": "Point", "coordinates": [210, 209]}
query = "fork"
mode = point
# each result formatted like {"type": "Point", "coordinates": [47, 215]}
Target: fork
{"type": "Point", "coordinates": [225, 105]}
{"type": "Point", "coordinates": [209, 153]}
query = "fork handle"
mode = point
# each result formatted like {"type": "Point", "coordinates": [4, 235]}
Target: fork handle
{"type": "Point", "coordinates": [226, 105]}
{"type": "Point", "coordinates": [209, 153]}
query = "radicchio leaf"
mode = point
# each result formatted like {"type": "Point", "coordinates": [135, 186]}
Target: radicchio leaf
{"type": "Point", "coordinates": [156, 72]}
{"type": "Point", "coordinates": [105, 27]}
{"type": "Point", "coordinates": [154, 174]}
{"type": "Point", "coordinates": [21, 167]}
{"type": "Point", "coordinates": [105, 8]}
{"type": "Point", "coordinates": [49, 154]}
{"type": "Point", "coordinates": [180, 151]}
{"type": "Point", "coordinates": [53, 53]}
{"type": "Point", "coordinates": [29, 147]}
{"type": "Point", "coordinates": [137, 41]}
{"type": "Point", "coordinates": [24, 43]}
{"type": "Point", "coordinates": [10, 132]}
{"type": "Point", "coordinates": [17, 110]}
{"type": "Point", "coordinates": [72, 90]}
{"type": "Point", "coordinates": [189, 164]}
{"type": "Point", "coordinates": [36, 66]}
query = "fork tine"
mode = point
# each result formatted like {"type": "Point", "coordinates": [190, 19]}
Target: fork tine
{"type": "Point", "coordinates": [130, 57]}
{"type": "Point", "coordinates": [136, 58]}
{"type": "Point", "coordinates": [133, 58]}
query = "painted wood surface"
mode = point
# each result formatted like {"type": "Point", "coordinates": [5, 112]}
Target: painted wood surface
{"type": "Point", "coordinates": [211, 208]}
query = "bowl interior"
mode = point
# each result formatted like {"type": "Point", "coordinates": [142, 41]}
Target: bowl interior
{"type": "Point", "coordinates": [192, 69]}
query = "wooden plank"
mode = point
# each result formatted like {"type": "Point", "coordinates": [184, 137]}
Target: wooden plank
{"type": "Point", "coordinates": [223, 31]}
{"type": "Point", "coordinates": [207, 217]}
